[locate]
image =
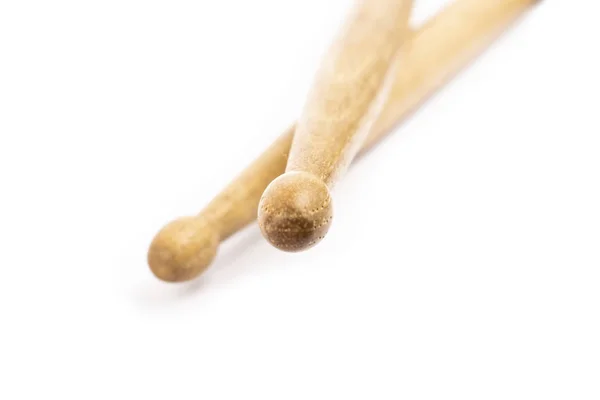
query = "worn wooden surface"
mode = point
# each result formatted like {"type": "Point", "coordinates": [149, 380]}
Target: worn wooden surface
{"type": "Point", "coordinates": [439, 49]}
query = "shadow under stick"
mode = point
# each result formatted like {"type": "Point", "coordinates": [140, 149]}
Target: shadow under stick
{"type": "Point", "coordinates": [439, 49]}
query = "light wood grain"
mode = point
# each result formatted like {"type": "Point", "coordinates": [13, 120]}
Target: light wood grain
{"type": "Point", "coordinates": [443, 46]}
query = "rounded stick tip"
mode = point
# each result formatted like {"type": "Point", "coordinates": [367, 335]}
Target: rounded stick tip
{"type": "Point", "coordinates": [183, 249]}
{"type": "Point", "coordinates": [295, 211]}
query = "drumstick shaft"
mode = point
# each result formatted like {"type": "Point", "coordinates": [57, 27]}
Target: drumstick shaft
{"type": "Point", "coordinates": [350, 89]}
{"type": "Point", "coordinates": [440, 49]}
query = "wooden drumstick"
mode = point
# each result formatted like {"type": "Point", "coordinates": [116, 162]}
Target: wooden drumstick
{"type": "Point", "coordinates": [347, 95]}
{"type": "Point", "coordinates": [442, 47]}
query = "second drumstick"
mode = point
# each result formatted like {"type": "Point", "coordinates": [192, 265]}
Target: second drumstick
{"type": "Point", "coordinates": [347, 96]}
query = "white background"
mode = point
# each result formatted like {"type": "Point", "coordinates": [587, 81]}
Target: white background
{"type": "Point", "coordinates": [463, 262]}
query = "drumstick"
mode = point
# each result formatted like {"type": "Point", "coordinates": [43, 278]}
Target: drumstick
{"type": "Point", "coordinates": [347, 95]}
{"type": "Point", "coordinates": [437, 51]}
{"type": "Point", "coordinates": [296, 209]}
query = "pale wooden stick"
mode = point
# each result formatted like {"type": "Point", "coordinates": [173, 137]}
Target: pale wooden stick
{"type": "Point", "coordinates": [439, 49]}
{"type": "Point", "coordinates": [347, 96]}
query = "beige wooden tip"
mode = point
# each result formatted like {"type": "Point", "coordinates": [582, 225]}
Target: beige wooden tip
{"type": "Point", "coordinates": [347, 95]}
{"type": "Point", "coordinates": [435, 53]}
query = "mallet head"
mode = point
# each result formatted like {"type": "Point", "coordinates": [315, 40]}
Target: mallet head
{"type": "Point", "coordinates": [295, 211]}
{"type": "Point", "coordinates": [183, 249]}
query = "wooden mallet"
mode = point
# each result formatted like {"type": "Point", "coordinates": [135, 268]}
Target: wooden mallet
{"type": "Point", "coordinates": [347, 96]}
{"type": "Point", "coordinates": [438, 50]}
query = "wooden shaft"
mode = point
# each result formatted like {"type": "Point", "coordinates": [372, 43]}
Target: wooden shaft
{"type": "Point", "coordinates": [445, 44]}
{"type": "Point", "coordinates": [349, 89]}
{"type": "Point", "coordinates": [442, 47]}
